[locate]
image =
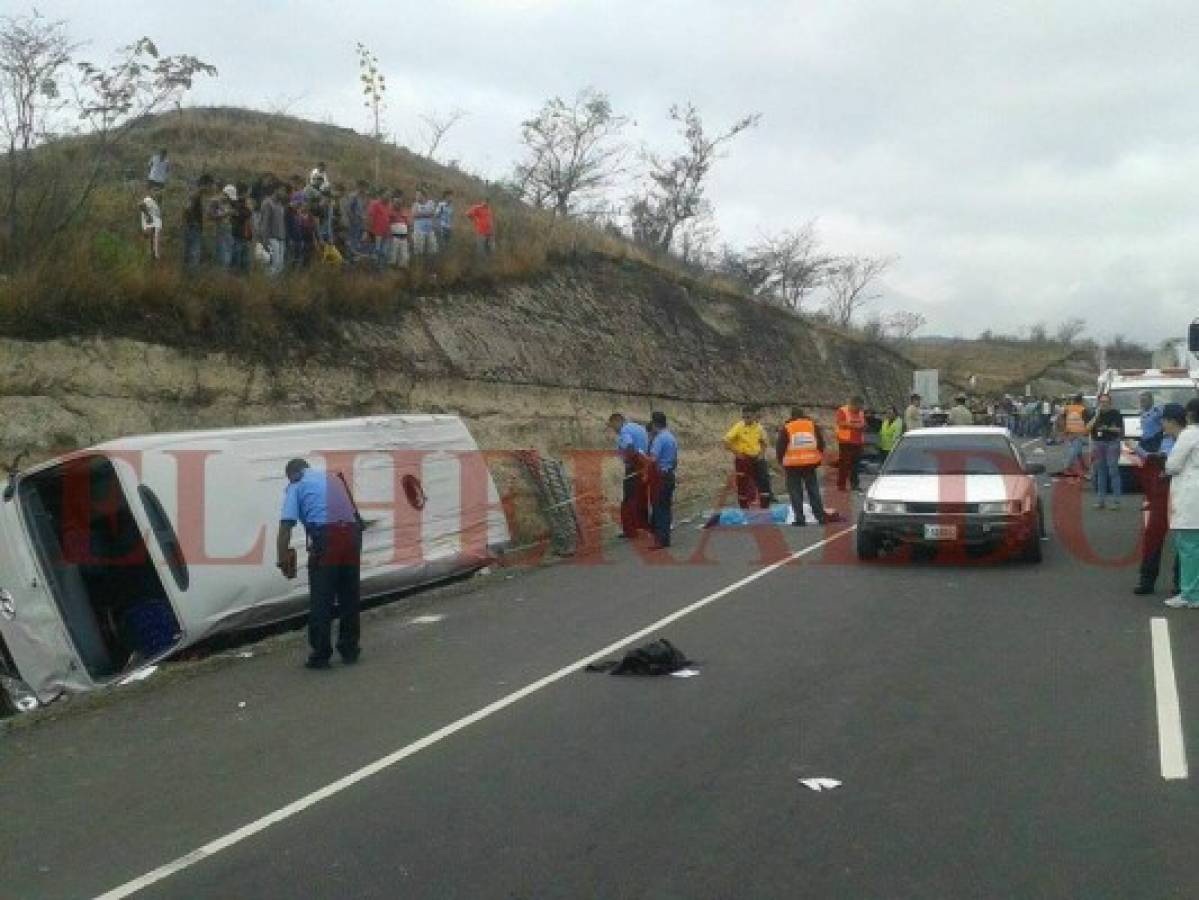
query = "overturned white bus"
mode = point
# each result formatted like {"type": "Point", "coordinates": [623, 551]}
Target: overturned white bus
{"type": "Point", "coordinates": [119, 555]}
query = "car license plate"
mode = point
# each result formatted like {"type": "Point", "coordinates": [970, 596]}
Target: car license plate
{"type": "Point", "coordinates": [940, 532]}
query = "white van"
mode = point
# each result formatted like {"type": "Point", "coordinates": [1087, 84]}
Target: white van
{"type": "Point", "coordinates": [119, 555]}
{"type": "Point", "coordinates": [1167, 385]}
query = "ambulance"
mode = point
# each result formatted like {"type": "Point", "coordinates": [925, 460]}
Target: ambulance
{"type": "Point", "coordinates": [1170, 384]}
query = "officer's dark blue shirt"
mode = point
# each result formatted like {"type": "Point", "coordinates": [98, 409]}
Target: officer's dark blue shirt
{"type": "Point", "coordinates": [316, 499]}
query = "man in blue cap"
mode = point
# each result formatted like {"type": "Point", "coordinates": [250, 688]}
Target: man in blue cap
{"type": "Point", "coordinates": [321, 502]}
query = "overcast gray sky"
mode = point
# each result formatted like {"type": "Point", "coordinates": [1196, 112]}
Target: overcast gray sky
{"type": "Point", "coordinates": [1027, 161]}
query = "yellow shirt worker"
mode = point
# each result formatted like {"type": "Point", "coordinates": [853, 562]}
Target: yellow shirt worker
{"type": "Point", "coordinates": [746, 440]}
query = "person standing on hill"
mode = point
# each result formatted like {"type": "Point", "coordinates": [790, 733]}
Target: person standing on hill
{"type": "Point", "coordinates": [193, 222]}
{"type": "Point", "coordinates": [480, 215]}
{"type": "Point", "coordinates": [444, 218]}
{"type": "Point", "coordinates": [272, 227]}
{"type": "Point", "coordinates": [151, 221]}
{"type": "Point", "coordinates": [353, 217]}
{"type": "Point", "coordinates": [400, 222]}
{"type": "Point", "coordinates": [220, 212]}
{"type": "Point", "coordinates": [240, 219]}
{"type": "Point", "coordinates": [663, 461]}
{"type": "Point", "coordinates": [318, 178]}
{"type": "Point", "coordinates": [378, 226]}
{"type": "Point", "coordinates": [800, 450]}
{"type": "Point", "coordinates": [851, 429]}
{"type": "Point", "coordinates": [424, 236]}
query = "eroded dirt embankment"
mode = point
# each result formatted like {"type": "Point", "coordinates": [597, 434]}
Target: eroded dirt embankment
{"type": "Point", "coordinates": [538, 365]}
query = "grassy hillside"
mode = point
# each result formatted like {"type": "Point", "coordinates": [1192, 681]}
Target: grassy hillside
{"type": "Point", "coordinates": [95, 278]}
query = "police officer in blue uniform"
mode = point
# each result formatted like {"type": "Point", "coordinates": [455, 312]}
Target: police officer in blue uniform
{"type": "Point", "coordinates": [321, 502]}
{"type": "Point", "coordinates": [664, 457]}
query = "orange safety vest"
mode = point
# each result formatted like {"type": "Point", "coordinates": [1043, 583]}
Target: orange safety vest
{"type": "Point", "coordinates": [850, 425]}
{"type": "Point", "coordinates": [802, 449]}
{"type": "Point", "coordinates": [1076, 422]}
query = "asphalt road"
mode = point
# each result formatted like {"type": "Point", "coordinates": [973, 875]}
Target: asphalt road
{"type": "Point", "coordinates": [994, 729]}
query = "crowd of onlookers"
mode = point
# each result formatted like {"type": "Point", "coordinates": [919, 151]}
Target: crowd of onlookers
{"type": "Point", "coordinates": [280, 223]}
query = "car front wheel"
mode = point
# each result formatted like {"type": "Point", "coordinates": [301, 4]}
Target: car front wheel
{"type": "Point", "coordinates": [867, 543]}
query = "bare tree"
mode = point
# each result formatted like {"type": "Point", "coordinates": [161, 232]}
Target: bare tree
{"type": "Point", "coordinates": [741, 268]}
{"type": "Point", "coordinates": [791, 264]}
{"type": "Point", "coordinates": [676, 184]}
{"type": "Point", "coordinates": [1070, 330]}
{"type": "Point", "coordinates": [849, 282]}
{"type": "Point", "coordinates": [1038, 333]}
{"type": "Point", "coordinates": [903, 324]}
{"type": "Point", "coordinates": [435, 126]}
{"type": "Point", "coordinates": [573, 150]}
{"type": "Point", "coordinates": [34, 52]}
{"type": "Point", "coordinates": [110, 101]}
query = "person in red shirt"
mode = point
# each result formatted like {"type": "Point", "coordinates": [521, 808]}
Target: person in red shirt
{"type": "Point", "coordinates": [851, 428]}
{"type": "Point", "coordinates": [480, 215]}
{"type": "Point", "coordinates": [378, 226]}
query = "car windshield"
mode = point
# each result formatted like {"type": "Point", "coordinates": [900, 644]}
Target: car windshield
{"type": "Point", "coordinates": [1128, 401]}
{"type": "Point", "coordinates": [953, 454]}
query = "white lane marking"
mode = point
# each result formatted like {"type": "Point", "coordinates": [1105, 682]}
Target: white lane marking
{"type": "Point", "coordinates": [426, 620]}
{"type": "Point", "coordinates": [297, 806]}
{"type": "Point", "coordinates": [1169, 720]}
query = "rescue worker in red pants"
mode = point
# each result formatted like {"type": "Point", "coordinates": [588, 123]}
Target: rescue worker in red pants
{"type": "Point", "coordinates": [851, 429]}
{"type": "Point", "coordinates": [746, 440]}
{"type": "Point", "coordinates": [632, 443]}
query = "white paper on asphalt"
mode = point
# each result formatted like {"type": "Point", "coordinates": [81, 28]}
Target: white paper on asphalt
{"type": "Point", "coordinates": [685, 673]}
{"type": "Point", "coordinates": [820, 784]}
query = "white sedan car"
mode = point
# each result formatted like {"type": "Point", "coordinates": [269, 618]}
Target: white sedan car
{"type": "Point", "coordinates": [965, 486]}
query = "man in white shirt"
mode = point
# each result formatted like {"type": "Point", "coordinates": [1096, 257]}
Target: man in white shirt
{"type": "Point", "coordinates": [151, 218]}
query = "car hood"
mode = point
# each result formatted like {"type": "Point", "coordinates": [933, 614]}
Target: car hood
{"type": "Point", "coordinates": [950, 488]}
